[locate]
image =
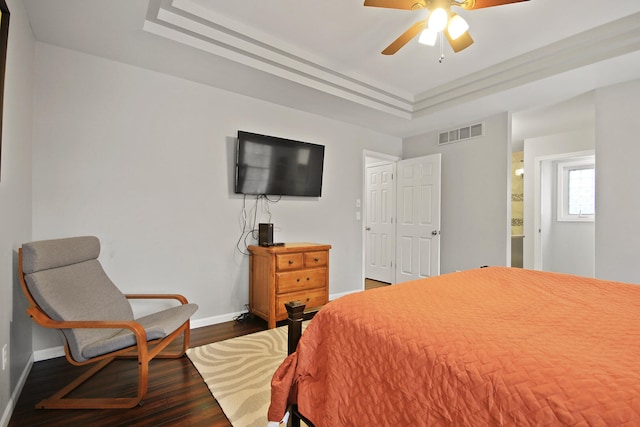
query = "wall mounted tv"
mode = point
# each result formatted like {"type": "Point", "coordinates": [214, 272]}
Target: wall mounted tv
{"type": "Point", "coordinates": [276, 166]}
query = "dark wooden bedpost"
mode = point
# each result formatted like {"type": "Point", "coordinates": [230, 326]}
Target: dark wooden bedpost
{"type": "Point", "coordinates": [295, 312]}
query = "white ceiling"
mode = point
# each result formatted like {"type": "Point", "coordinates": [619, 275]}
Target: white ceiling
{"type": "Point", "coordinates": [324, 56]}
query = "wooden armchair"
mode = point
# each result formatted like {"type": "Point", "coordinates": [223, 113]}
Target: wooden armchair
{"type": "Point", "coordinates": [67, 289]}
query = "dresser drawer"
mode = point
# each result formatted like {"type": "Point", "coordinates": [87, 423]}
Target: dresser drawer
{"type": "Point", "coordinates": [313, 298]}
{"type": "Point", "coordinates": [291, 281]}
{"type": "Point", "coordinates": [286, 262]}
{"type": "Point", "coordinates": [316, 259]}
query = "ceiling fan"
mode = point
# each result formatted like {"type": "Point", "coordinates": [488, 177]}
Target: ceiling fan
{"type": "Point", "coordinates": [440, 20]}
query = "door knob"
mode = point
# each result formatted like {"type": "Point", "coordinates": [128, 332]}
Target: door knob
{"type": "Point", "coordinates": [434, 233]}
{"type": "Point", "coordinates": [367, 228]}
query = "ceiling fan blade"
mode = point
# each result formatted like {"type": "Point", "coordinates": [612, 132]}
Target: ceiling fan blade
{"type": "Point", "coordinates": [404, 38]}
{"type": "Point", "coordinates": [396, 4]}
{"type": "Point", "coordinates": [481, 4]}
{"type": "Point", "coordinates": [461, 43]}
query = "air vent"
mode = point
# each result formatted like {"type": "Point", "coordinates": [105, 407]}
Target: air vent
{"type": "Point", "coordinates": [460, 134]}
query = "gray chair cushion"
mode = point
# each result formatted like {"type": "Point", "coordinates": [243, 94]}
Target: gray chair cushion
{"type": "Point", "coordinates": [157, 325]}
{"type": "Point", "coordinates": [68, 283]}
{"type": "Point", "coordinates": [79, 292]}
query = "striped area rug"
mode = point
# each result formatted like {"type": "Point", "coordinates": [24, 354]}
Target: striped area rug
{"type": "Point", "coordinates": [238, 372]}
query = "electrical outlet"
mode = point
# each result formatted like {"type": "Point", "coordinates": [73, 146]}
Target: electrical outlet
{"type": "Point", "coordinates": [4, 357]}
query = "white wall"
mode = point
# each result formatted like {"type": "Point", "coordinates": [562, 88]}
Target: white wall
{"type": "Point", "coordinates": [145, 162]}
{"type": "Point", "coordinates": [548, 147]}
{"type": "Point", "coordinates": [617, 178]}
{"type": "Point", "coordinates": [15, 203]}
{"type": "Point", "coordinates": [475, 195]}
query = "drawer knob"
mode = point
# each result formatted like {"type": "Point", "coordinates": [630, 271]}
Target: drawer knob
{"type": "Point", "coordinates": [308, 279]}
{"type": "Point", "coordinates": [316, 259]}
{"type": "Point", "coordinates": [290, 261]}
{"type": "Point", "coordinates": [308, 299]}
{"type": "Point", "coordinates": [298, 279]}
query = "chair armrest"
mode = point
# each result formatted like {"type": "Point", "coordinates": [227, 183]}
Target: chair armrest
{"type": "Point", "coordinates": [42, 319]}
{"type": "Point", "coordinates": [178, 297]}
{"type": "Point", "coordinates": [136, 328]}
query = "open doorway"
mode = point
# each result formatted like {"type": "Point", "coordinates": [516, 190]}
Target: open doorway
{"type": "Point", "coordinates": [379, 206]}
{"type": "Point", "coordinates": [565, 213]}
{"type": "Point", "coordinates": [517, 208]}
{"type": "Point", "coordinates": [549, 132]}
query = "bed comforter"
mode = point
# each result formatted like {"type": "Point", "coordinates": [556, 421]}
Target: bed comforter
{"type": "Point", "coordinates": [486, 347]}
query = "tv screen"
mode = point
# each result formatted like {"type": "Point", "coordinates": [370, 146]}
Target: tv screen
{"type": "Point", "coordinates": [276, 166]}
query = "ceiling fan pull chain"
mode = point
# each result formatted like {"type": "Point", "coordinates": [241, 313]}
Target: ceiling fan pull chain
{"type": "Point", "coordinates": [441, 48]}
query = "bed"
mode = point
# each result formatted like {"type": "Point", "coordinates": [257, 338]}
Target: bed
{"type": "Point", "coordinates": [487, 347]}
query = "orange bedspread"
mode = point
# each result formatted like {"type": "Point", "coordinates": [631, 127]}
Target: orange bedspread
{"type": "Point", "coordinates": [493, 346]}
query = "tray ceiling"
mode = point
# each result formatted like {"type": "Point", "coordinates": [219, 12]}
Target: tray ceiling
{"type": "Point", "coordinates": [324, 57]}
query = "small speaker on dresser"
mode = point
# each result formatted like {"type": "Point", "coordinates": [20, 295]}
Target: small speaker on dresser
{"type": "Point", "coordinates": [265, 234]}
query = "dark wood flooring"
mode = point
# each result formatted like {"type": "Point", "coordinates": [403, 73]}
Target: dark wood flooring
{"type": "Point", "coordinates": [177, 395]}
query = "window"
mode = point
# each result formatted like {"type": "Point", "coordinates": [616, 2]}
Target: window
{"type": "Point", "coordinates": [577, 189]}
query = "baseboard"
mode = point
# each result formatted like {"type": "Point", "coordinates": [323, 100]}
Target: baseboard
{"type": "Point", "coordinates": [214, 320]}
{"type": "Point", "coordinates": [53, 352]}
{"type": "Point", "coordinates": [336, 296]}
{"type": "Point", "coordinates": [48, 353]}
{"type": "Point", "coordinates": [8, 411]}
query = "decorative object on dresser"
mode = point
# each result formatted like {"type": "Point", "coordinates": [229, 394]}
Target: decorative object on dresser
{"type": "Point", "coordinates": [265, 234]}
{"type": "Point", "coordinates": [293, 271]}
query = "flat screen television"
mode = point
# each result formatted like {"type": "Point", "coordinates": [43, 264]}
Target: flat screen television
{"type": "Point", "coordinates": [277, 166]}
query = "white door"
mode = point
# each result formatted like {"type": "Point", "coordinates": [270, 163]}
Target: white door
{"type": "Point", "coordinates": [418, 218]}
{"type": "Point", "coordinates": [380, 237]}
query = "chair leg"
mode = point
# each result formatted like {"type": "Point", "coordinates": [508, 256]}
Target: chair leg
{"type": "Point", "coordinates": [143, 355]}
{"type": "Point", "coordinates": [161, 354]}
{"type": "Point", "coordinates": [58, 400]}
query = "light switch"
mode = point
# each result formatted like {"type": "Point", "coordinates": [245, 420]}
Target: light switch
{"type": "Point", "coordinates": [358, 204]}
{"type": "Point", "coordinates": [358, 216]}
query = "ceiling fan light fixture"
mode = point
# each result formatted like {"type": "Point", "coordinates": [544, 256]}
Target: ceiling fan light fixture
{"type": "Point", "coordinates": [457, 26]}
{"type": "Point", "coordinates": [438, 20]}
{"type": "Point", "coordinates": [428, 37]}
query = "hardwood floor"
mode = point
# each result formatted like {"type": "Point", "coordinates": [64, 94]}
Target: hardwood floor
{"type": "Point", "coordinates": [177, 395]}
{"type": "Point", "coordinates": [372, 284]}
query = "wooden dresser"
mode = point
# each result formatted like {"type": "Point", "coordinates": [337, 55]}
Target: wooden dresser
{"type": "Point", "coordinates": [279, 274]}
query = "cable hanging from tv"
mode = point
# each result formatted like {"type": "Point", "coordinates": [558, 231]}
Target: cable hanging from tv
{"type": "Point", "coordinates": [250, 219]}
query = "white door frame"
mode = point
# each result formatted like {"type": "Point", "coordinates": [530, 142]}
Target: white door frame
{"type": "Point", "coordinates": [537, 194]}
{"type": "Point", "coordinates": [380, 157]}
